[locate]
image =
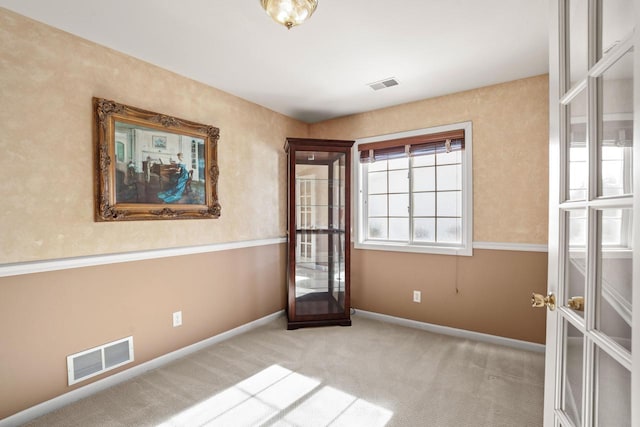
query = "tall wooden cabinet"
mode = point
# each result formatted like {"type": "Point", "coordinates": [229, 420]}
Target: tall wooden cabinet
{"type": "Point", "coordinates": [319, 214]}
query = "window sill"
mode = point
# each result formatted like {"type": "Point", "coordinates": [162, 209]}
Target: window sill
{"type": "Point", "coordinates": [404, 247]}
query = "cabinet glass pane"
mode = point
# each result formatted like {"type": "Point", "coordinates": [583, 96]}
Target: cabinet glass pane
{"type": "Point", "coordinates": [320, 279]}
{"type": "Point", "coordinates": [577, 44]}
{"type": "Point", "coordinates": [615, 142]}
{"type": "Point", "coordinates": [615, 275]}
{"type": "Point", "coordinates": [572, 362]}
{"type": "Point", "coordinates": [613, 392]}
{"type": "Point", "coordinates": [338, 199]}
{"type": "Point", "coordinates": [577, 153]}
{"type": "Point", "coordinates": [617, 23]}
{"type": "Point", "coordinates": [339, 272]}
{"type": "Point", "coordinates": [575, 274]}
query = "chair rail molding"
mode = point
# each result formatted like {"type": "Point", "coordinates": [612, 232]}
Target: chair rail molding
{"type": "Point", "coordinates": [29, 267]}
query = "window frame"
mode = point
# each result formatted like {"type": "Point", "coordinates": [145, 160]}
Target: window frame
{"type": "Point", "coordinates": [360, 184]}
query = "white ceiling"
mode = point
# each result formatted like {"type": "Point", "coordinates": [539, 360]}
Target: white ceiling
{"type": "Point", "coordinates": [321, 69]}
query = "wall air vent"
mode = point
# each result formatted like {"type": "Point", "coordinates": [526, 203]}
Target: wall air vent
{"type": "Point", "coordinates": [391, 81]}
{"type": "Point", "coordinates": [92, 362]}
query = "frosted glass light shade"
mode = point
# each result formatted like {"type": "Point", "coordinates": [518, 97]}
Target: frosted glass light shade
{"type": "Point", "coordinates": [289, 12]}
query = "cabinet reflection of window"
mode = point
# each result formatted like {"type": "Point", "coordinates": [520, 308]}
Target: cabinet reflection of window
{"type": "Point", "coordinates": [305, 200]}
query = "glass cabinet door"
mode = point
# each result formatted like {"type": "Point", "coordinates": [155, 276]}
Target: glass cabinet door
{"type": "Point", "coordinates": [318, 227]}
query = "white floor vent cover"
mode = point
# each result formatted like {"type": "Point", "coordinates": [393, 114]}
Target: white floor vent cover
{"type": "Point", "coordinates": [95, 361]}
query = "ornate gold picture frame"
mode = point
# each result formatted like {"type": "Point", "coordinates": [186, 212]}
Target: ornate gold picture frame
{"type": "Point", "coordinates": [153, 166]}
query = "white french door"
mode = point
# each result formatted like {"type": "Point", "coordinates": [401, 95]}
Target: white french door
{"type": "Point", "coordinates": [593, 356]}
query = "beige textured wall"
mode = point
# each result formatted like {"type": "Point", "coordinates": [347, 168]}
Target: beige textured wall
{"type": "Point", "coordinates": [47, 81]}
{"type": "Point", "coordinates": [510, 154]}
{"type": "Point", "coordinates": [490, 291]}
{"type": "Point", "coordinates": [45, 317]}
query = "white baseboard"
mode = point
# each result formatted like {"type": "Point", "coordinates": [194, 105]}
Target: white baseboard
{"type": "Point", "coordinates": [86, 391]}
{"type": "Point", "coordinates": [460, 333]}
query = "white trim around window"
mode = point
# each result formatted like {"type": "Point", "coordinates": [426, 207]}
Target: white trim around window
{"type": "Point", "coordinates": [465, 247]}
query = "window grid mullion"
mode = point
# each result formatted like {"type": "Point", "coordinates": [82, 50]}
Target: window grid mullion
{"type": "Point", "coordinates": [410, 207]}
{"type": "Point", "coordinates": [388, 205]}
{"type": "Point", "coordinates": [435, 198]}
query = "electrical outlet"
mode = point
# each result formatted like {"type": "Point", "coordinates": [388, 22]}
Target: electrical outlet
{"type": "Point", "coordinates": [177, 318]}
{"type": "Point", "coordinates": [417, 296]}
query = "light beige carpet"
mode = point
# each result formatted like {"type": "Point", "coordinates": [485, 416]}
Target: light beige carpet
{"type": "Point", "coordinates": [370, 374]}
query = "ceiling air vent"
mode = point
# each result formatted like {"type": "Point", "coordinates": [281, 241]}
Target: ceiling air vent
{"type": "Point", "coordinates": [391, 81]}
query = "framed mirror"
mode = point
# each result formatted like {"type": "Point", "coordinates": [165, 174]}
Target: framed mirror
{"type": "Point", "coordinates": [153, 166]}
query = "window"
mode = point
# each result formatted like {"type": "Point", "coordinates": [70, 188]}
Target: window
{"type": "Point", "coordinates": [415, 191]}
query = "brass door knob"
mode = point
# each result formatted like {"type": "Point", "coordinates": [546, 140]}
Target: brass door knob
{"type": "Point", "coordinates": [538, 300]}
{"type": "Point", "coordinates": [576, 303]}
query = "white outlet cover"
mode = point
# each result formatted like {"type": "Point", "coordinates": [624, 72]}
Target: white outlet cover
{"type": "Point", "coordinates": [177, 318]}
{"type": "Point", "coordinates": [417, 295]}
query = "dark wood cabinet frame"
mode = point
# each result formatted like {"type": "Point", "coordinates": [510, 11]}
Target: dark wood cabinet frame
{"type": "Point", "coordinates": [301, 312]}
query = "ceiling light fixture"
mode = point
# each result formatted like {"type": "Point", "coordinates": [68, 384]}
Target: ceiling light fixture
{"type": "Point", "coordinates": [289, 12]}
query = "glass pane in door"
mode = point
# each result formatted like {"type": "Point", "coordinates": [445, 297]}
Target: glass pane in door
{"type": "Point", "coordinates": [615, 141]}
{"type": "Point", "coordinates": [575, 270]}
{"type": "Point", "coordinates": [577, 153]}
{"type": "Point", "coordinates": [613, 392]}
{"type": "Point", "coordinates": [577, 44]}
{"type": "Point", "coordinates": [572, 366]}
{"type": "Point", "coordinates": [615, 275]}
{"type": "Point", "coordinates": [617, 23]}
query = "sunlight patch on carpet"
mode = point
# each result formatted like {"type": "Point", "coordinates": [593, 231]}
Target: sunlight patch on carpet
{"type": "Point", "coordinates": [277, 396]}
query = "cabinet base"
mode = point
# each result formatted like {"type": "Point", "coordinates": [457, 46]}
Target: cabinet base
{"type": "Point", "coordinates": [295, 324]}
